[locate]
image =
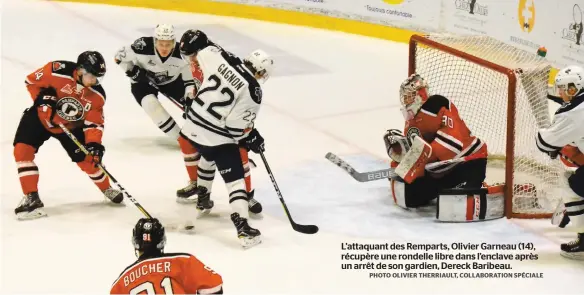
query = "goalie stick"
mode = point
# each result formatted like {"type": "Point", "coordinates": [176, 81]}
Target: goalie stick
{"type": "Point", "coordinates": [188, 225]}
{"type": "Point", "coordinates": [389, 172]}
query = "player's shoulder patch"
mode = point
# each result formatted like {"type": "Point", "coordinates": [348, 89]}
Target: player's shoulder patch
{"type": "Point", "coordinates": [255, 91]}
{"type": "Point", "coordinates": [63, 67]}
{"type": "Point", "coordinates": [435, 103]}
{"type": "Point", "coordinates": [143, 45]}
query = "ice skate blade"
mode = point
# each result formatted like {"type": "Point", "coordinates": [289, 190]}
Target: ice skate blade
{"type": "Point", "coordinates": [186, 201]}
{"type": "Point", "coordinates": [34, 214]}
{"type": "Point", "coordinates": [573, 256]}
{"type": "Point", "coordinates": [247, 243]}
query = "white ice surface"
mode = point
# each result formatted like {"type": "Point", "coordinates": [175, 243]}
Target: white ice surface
{"type": "Point", "coordinates": [342, 100]}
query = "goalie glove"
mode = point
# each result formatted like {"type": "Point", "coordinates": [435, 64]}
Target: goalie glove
{"type": "Point", "coordinates": [396, 144]}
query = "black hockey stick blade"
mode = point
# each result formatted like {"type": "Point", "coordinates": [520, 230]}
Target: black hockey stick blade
{"type": "Point", "coordinates": [305, 229]}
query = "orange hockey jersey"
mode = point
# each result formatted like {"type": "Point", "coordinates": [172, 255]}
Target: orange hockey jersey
{"type": "Point", "coordinates": [171, 273]}
{"type": "Point", "coordinates": [76, 106]}
{"type": "Point", "coordinates": [197, 75]}
{"type": "Point", "coordinates": [440, 125]}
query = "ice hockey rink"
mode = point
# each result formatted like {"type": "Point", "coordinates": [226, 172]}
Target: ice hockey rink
{"type": "Point", "coordinates": [331, 92]}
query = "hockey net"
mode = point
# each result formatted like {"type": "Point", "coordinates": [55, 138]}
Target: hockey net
{"type": "Point", "coordinates": [500, 92]}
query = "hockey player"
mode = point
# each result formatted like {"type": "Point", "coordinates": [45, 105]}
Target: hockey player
{"type": "Point", "coordinates": [156, 272]}
{"type": "Point", "coordinates": [566, 131]}
{"type": "Point", "coordinates": [429, 157]}
{"type": "Point", "coordinates": [220, 118]}
{"type": "Point", "coordinates": [69, 93]}
{"type": "Point", "coordinates": [154, 64]}
{"type": "Point", "coordinates": [192, 157]}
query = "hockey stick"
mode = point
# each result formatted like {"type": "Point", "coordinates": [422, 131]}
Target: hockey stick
{"type": "Point", "coordinates": [389, 172]}
{"type": "Point", "coordinates": [188, 225]}
{"type": "Point", "coordinates": [305, 229]}
{"type": "Point", "coordinates": [100, 166]}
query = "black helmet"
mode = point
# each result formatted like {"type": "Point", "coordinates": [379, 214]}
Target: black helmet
{"type": "Point", "coordinates": [192, 41]}
{"type": "Point", "coordinates": [92, 62]}
{"type": "Point", "coordinates": [148, 235]}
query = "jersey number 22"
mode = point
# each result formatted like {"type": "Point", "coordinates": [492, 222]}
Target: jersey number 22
{"type": "Point", "coordinates": [225, 91]}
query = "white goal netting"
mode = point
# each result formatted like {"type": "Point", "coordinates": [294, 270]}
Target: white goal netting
{"type": "Point", "coordinates": [478, 83]}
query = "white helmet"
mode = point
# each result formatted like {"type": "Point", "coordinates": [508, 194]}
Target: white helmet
{"type": "Point", "coordinates": [413, 93]}
{"type": "Point", "coordinates": [164, 32]}
{"type": "Point", "coordinates": [262, 63]}
{"type": "Point", "coordinates": [570, 79]}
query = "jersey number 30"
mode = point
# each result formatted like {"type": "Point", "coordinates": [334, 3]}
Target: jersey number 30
{"type": "Point", "coordinates": [225, 91]}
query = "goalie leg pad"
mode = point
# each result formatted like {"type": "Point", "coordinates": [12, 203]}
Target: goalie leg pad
{"type": "Point", "coordinates": [420, 193]}
{"type": "Point", "coordinates": [414, 162]}
{"type": "Point", "coordinates": [397, 191]}
{"type": "Point", "coordinates": [468, 205]}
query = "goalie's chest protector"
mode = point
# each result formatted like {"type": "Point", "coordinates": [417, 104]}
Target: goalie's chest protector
{"type": "Point", "coordinates": [440, 125]}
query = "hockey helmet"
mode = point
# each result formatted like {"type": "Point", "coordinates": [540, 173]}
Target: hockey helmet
{"type": "Point", "coordinates": [413, 92]}
{"type": "Point", "coordinates": [261, 64]}
{"type": "Point", "coordinates": [148, 235]}
{"type": "Point", "coordinates": [93, 63]}
{"type": "Point", "coordinates": [570, 80]}
{"type": "Point", "coordinates": [164, 32]}
{"type": "Point", "coordinates": [193, 41]}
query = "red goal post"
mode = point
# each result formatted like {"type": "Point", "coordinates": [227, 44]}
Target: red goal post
{"type": "Point", "coordinates": [500, 92]}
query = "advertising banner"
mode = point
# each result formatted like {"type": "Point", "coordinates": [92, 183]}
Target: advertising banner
{"type": "Point", "coordinates": [526, 24]}
{"type": "Point", "coordinates": [469, 17]}
{"type": "Point", "coordinates": [403, 13]}
{"type": "Point", "coordinates": [567, 43]}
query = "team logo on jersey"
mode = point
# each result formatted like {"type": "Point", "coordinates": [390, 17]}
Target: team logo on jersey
{"type": "Point", "coordinates": [139, 44]}
{"type": "Point", "coordinates": [58, 66]}
{"type": "Point", "coordinates": [412, 131]}
{"type": "Point", "coordinates": [70, 109]}
{"type": "Point", "coordinates": [258, 95]}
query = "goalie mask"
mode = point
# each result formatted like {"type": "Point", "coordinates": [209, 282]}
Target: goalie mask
{"type": "Point", "coordinates": [570, 81]}
{"type": "Point", "coordinates": [413, 93]}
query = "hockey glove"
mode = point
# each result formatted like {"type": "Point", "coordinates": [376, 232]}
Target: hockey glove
{"type": "Point", "coordinates": [254, 141]}
{"type": "Point", "coordinates": [138, 74]}
{"type": "Point", "coordinates": [96, 151]}
{"type": "Point", "coordinates": [396, 144]}
{"type": "Point", "coordinates": [47, 98]}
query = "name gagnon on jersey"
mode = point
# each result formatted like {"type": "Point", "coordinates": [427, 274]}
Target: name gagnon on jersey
{"type": "Point", "coordinates": [71, 109]}
{"type": "Point", "coordinates": [230, 76]}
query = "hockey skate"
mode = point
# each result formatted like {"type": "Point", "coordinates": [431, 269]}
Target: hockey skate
{"type": "Point", "coordinates": [204, 202]}
{"type": "Point", "coordinates": [187, 194]}
{"type": "Point", "coordinates": [254, 206]}
{"type": "Point", "coordinates": [574, 249]}
{"type": "Point", "coordinates": [248, 236]}
{"type": "Point", "coordinates": [31, 207]}
{"type": "Point", "coordinates": [113, 195]}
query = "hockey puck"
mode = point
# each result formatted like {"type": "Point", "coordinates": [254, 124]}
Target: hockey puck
{"type": "Point", "coordinates": [189, 227]}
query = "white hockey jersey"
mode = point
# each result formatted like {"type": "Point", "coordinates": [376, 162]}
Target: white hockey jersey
{"type": "Point", "coordinates": [228, 102]}
{"type": "Point", "coordinates": [566, 127]}
{"type": "Point", "coordinates": [142, 53]}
